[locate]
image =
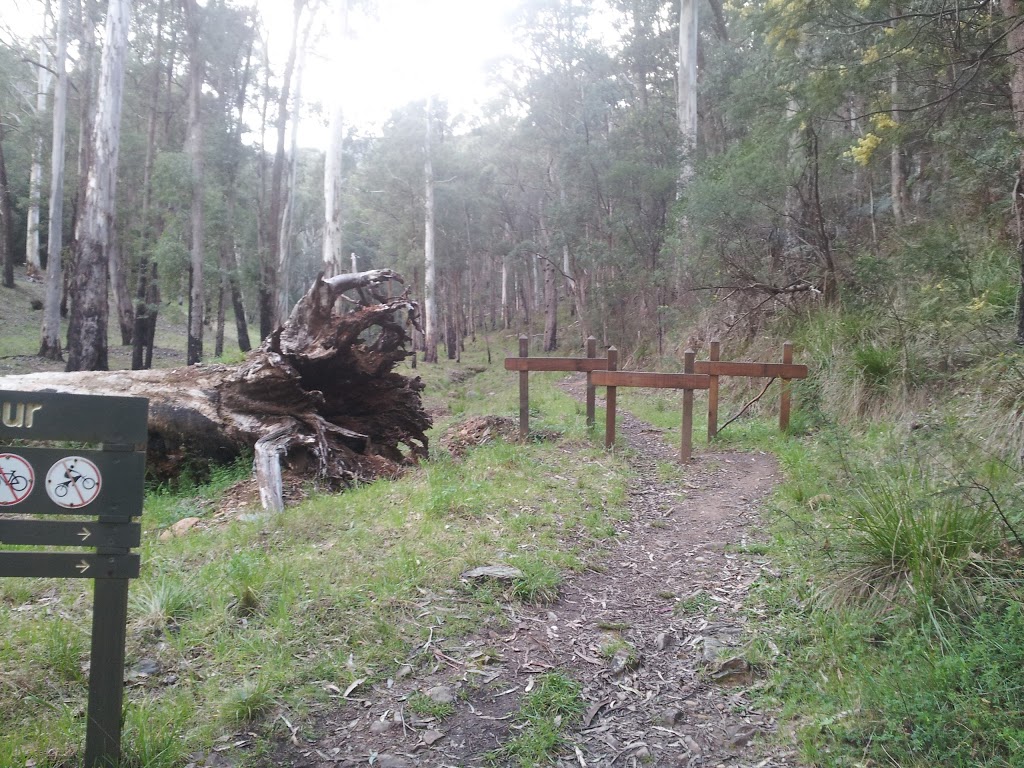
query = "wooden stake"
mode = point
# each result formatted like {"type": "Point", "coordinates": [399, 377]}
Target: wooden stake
{"type": "Point", "coordinates": [591, 352]}
{"type": "Point", "coordinates": [686, 430]}
{"type": "Point", "coordinates": [524, 391]}
{"type": "Point", "coordinates": [609, 402]}
{"type": "Point", "coordinates": [714, 351]}
{"type": "Point", "coordinates": [787, 359]}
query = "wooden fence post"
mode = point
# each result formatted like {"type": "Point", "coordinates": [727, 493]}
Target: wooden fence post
{"type": "Point", "coordinates": [591, 353]}
{"type": "Point", "coordinates": [524, 391]}
{"type": "Point", "coordinates": [787, 359]}
{"type": "Point", "coordinates": [609, 402]}
{"type": "Point", "coordinates": [714, 352]}
{"type": "Point", "coordinates": [686, 436]}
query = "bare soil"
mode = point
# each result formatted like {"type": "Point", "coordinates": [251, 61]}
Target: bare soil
{"type": "Point", "coordinates": [669, 593]}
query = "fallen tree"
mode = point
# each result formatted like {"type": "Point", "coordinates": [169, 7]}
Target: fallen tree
{"type": "Point", "coordinates": [319, 395]}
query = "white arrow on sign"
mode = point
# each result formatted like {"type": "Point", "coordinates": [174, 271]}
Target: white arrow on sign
{"type": "Point", "coordinates": [84, 534]}
{"type": "Point", "coordinates": [82, 567]}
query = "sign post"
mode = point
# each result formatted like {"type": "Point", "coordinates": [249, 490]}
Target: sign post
{"type": "Point", "coordinates": [105, 483]}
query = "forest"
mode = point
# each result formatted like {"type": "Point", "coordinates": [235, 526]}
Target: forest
{"type": "Point", "coordinates": [657, 174]}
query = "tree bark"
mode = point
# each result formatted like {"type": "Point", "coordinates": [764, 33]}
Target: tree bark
{"type": "Point", "coordinates": [119, 288]}
{"type": "Point", "coordinates": [1014, 12]}
{"type": "Point", "coordinates": [196, 300]}
{"type": "Point", "coordinates": [33, 263]}
{"type": "Point", "coordinates": [6, 218]}
{"type": "Point", "coordinates": [687, 89]}
{"type": "Point", "coordinates": [429, 268]}
{"type": "Point", "coordinates": [50, 342]}
{"type": "Point", "coordinates": [87, 331]}
{"type": "Point", "coordinates": [269, 276]}
{"type": "Point", "coordinates": [333, 178]}
{"type": "Point", "coordinates": [319, 394]}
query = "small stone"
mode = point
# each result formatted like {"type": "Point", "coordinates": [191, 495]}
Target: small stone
{"type": "Point", "coordinates": [624, 660]}
{"type": "Point", "coordinates": [496, 572]}
{"type": "Point", "coordinates": [734, 671]}
{"type": "Point", "coordinates": [692, 745]}
{"type": "Point", "coordinates": [432, 737]}
{"type": "Point", "coordinates": [180, 528]}
{"type": "Point", "coordinates": [643, 754]}
{"type": "Point", "coordinates": [404, 671]}
{"type": "Point", "coordinates": [741, 735]}
{"type": "Point", "coordinates": [664, 640]}
{"type": "Point", "coordinates": [670, 717]}
{"type": "Point", "coordinates": [146, 667]}
{"type": "Point", "coordinates": [441, 694]}
{"type": "Point", "coordinates": [380, 726]}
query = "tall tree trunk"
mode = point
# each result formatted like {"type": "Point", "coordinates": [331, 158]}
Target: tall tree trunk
{"type": "Point", "coordinates": [229, 269]}
{"type": "Point", "coordinates": [119, 287]}
{"type": "Point", "coordinates": [87, 330]}
{"type": "Point", "coordinates": [429, 268]}
{"type": "Point", "coordinates": [196, 296]}
{"type": "Point", "coordinates": [334, 181]}
{"type": "Point", "coordinates": [6, 218]}
{"type": "Point", "coordinates": [88, 19]}
{"type": "Point", "coordinates": [33, 263]}
{"type": "Point", "coordinates": [687, 89]}
{"type": "Point", "coordinates": [1014, 12]}
{"type": "Point", "coordinates": [898, 176]}
{"type": "Point", "coordinates": [50, 342]}
{"type": "Point", "coordinates": [286, 232]}
{"type": "Point", "coordinates": [269, 276]}
{"type": "Point", "coordinates": [140, 331]}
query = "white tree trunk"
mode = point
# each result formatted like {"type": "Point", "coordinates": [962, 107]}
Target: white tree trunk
{"type": "Point", "coordinates": [50, 345]}
{"type": "Point", "coordinates": [33, 262]}
{"type": "Point", "coordinates": [196, 302]}
{"type": "Point", "coordinates": [429, 269]}
{"type": "Point", "coordinates": [687, 88]}
{"type": "Point", "coordinates": [333, 180]}
{"type": "Point", "coordinates": [287, 230]}
{"type": "Point", "coordinates": [87, 332]}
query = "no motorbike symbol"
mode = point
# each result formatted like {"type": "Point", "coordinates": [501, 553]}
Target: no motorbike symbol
{"type": "Point", "coordinates": [73, 482]}
{"type": "Point", "coordinates": [16, 479]}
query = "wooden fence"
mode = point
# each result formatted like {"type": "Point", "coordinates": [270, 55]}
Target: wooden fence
{"type": "Point", "coordinates": [524, 364]}
{"type": "Point", "coordinates": [702, 374]}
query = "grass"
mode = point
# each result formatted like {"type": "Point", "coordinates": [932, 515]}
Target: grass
{"type": "Point", "coordinates": [250, 619]}
{"type": "Point", "coordinates": [546, 712]}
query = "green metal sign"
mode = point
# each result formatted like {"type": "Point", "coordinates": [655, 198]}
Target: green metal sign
{"type": "Point", "coordinates": [104, 481]}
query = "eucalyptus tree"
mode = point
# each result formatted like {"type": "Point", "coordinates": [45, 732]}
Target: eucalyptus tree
{"type": "Point", "coordinates": [50, 344]}
{"type": "Point", "coordinates": [270, 264]}
{"type": "Point", "coordinates": [44, 77]}
{"type": "Point", "coordinates": [332, 253]}
{"type": "Point", "coordinates": [429, 261]}
{"type": "Point", "coordinates": [6, 217]}
{"type": "Point", "coordinates": [194, 17]}
{"type": "Point", "coordinates": [87, 329]}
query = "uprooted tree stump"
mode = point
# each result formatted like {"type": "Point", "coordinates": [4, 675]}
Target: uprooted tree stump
{"type": "Point", "coordinates": [320, 395]}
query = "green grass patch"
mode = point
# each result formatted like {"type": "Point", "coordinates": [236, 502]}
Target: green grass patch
{"type": "Point", "coordinates": [546, 712]}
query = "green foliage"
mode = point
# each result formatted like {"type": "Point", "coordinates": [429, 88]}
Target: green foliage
{"type": "Point", "coordinates": [914, 535]}
{"type": "Point", "coordinates": [545, 712]}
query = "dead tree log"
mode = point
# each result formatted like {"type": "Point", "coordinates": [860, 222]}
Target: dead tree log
{"type": "Point", "coordinates": [319, 395]}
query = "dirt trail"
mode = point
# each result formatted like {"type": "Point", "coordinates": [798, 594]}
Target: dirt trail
{"type": "Point", "coordinates": [669, 594]}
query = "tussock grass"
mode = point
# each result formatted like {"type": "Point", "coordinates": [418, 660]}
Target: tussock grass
{"type": "Point", "coordinates": [546, 712]}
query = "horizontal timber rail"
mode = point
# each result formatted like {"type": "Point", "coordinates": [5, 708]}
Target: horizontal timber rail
{"type": "Point", "coordinates": [686, 381]}
{"type": "Point", "coordinates": [786, 371]}
{"type": "Point", "coordinates": [524, 364]}
{"type": "Point", "coordinates": [703, 374]}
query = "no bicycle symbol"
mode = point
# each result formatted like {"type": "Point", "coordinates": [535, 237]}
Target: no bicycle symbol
{"type": "Point", "coordinates": [73, 482]}
{"type": "Point", "coordinates": [16, 479]}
